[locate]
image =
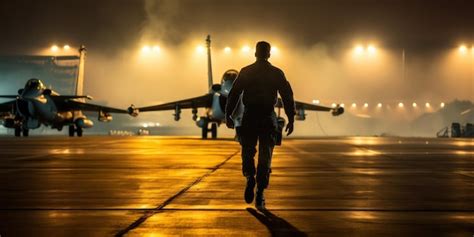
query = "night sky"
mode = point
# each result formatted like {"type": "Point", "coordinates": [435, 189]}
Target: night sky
{"type": "Point", "coordinates": [111, 24]}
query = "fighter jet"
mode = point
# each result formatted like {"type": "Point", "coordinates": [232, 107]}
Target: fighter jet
{"type": "Point", "coordinates": [214, 103]}
{"type": "Point", "coordinates": [35, 105]}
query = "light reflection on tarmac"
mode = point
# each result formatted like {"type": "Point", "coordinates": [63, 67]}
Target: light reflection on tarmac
{"type": "Point", "coordinates": [161, 186]}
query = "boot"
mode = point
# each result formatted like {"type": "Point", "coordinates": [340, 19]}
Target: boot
{"type": "Point", "coordinates": [249, 189]}
{"type": "Point", "coordinates": [260, 199]}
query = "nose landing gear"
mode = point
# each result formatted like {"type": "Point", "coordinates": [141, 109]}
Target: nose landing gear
{"type": "Point", "coordinates": [212, 129]}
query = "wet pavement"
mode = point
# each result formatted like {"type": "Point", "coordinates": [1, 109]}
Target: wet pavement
{"type": "Point", "coordinates": [162, 186]}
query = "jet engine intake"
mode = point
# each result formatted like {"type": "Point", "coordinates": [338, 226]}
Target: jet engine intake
{"type": "Point", "coordinates": [216, 87]}
{"type": "Point", "coordinates": [9, 123]}
{"type": "Point", "coordinates": [25, 108]}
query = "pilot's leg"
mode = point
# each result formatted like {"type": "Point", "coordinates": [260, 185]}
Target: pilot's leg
{"type": "Point", "coordinates": [248, 140]}
{"type": "Point", "coordinates": [265, 150]}
{"type": "Point", "coordinates": [266, 143]}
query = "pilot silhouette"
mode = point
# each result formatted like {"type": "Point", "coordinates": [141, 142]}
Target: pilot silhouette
{"type": "Point", "coordinates": [260, 83]}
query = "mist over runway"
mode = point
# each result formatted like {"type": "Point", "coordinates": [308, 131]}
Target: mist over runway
{"type": "Point", "coordinates": [100, 186]}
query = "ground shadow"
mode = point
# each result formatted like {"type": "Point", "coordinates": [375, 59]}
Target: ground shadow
{"type": "Point", "coordinates": [276, 225]}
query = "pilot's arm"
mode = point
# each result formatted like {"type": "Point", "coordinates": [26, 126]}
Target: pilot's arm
{"type": "Point", "coordinates": [286, 94]}
{"type": "Point", "coordinates": [233, 99]}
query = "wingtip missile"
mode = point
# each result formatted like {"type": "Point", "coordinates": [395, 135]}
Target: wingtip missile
{"type": "Point", "coordinates": [133, 111]}
{"type": "Point", "coordinates": [338, 110]}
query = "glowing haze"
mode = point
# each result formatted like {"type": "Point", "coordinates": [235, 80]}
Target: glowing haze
{"type": "Point", "coordinates": [165, 62]}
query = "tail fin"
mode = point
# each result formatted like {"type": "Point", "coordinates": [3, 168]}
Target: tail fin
{"type": "Point", "coordinates": [209, 62]}
{"type": "Point", "coordinates": [80, 74]}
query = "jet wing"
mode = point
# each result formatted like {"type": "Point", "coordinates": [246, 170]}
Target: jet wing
{"type": "Point", "coordinates": [66, 97]}
{"type": "Point", "coordinates": [9, 96]}
{"type": "Point", "coordinates": [77, 105]}
{"type": "Point", "coordinates": [196, 102]}
{"type": "Point", "coordinates": [312, 107]}
{"type": "Point", "coordinates": [7, 106]}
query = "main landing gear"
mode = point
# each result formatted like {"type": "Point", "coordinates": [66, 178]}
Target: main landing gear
{"type": "Point", "coordinates": [20, 130]}
{"type": "Point", "coordinates": [77, 130]}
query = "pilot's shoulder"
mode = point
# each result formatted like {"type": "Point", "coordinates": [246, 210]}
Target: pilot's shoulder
{"type": "Point", "coordinates": [277, 70]}
{"type": "Point", "coordinates": [251, 66]}
{"type": "Point", "coordinates": [246, 69]}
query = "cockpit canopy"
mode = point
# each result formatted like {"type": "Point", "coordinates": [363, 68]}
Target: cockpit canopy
{"type": "Point", "coordinates": [227, 80]}
{"type": "Point", "coordinates": [229, 75]}
{"type": "Point", "coordinates": [34, 84]}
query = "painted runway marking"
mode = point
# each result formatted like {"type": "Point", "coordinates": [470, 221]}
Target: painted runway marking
{"type": "Point", "coordinates": [160, 207]}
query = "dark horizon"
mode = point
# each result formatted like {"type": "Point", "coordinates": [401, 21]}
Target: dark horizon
{"type": "Point", "coordinates": [109, 26]}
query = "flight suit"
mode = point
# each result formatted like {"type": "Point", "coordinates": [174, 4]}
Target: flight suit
{"type": "Point", "coordinates": [259, 84]}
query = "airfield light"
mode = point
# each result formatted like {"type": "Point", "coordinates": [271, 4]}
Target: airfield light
{"type": "Point", "coordinates": [54, 48]}
{"type": "Point", "coordinates": [366, 105]}
{"type": "Point", "coordinates": [146, 49]}
{"type": "Point", "coordinates": [414, 105]}
{"type": "Point", "coordinates": [371, 49]}
{"type": "Point", "coordinates": [463, 48]}
{"type": "Point", "coordinates": [156, 48]}
{"type": "Point", "coordinates": [66, 47]}
{"type": "Point", "coordinates": [359, 49]}
{"type": "Point", "coordinates": [157, 124]}
{"type": "Point", "coordinates": [227, 49]}
{"type": "Point", "coordinates": [274, 49]}
{"type": "Point", "coordinates": [354, 105]}
{"type": "Point", "coordinates": [379, 105]}
{"type": "Point", "coordinates": [245, 49]}
{"type": "Point", "coordinates": [400, 105]}
{"type": "Point", "coordinates": [316, 102]}
{"type": "Point", "coordinates": [333, 105]}
{"type": "Point", "coordinates": [442, 105]}
{"type": "Point", "coordinates": [145, 125]}
{"type": "Point", "coordinates": [200, 49]}
{"type": "Point", "coordinates": [427, 105]}
{"type": "Point", "coordinates": [342, 105]}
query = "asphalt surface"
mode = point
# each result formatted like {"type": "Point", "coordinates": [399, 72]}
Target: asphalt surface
{"type": "Point", "coordinates": [162, 186]}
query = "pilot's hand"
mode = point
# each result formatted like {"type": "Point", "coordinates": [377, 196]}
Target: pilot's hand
{"type": "Point", "coordinates": [289, 129]}
{"type": "Point", "coordinates": [229, 122]}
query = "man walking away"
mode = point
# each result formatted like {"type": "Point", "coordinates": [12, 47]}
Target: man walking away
{"type": "Point", "coordinates": [260, 83]}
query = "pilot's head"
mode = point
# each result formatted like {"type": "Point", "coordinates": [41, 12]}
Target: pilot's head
{"type": "Point", "coordinates": [262, 50]}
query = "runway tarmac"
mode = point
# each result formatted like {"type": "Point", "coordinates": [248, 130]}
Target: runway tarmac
{"type": "Point", "coordinates": [162, 186]}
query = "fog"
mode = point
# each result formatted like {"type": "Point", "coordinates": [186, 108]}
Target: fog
{"type": "Point", "coordinates": [324, 70]}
